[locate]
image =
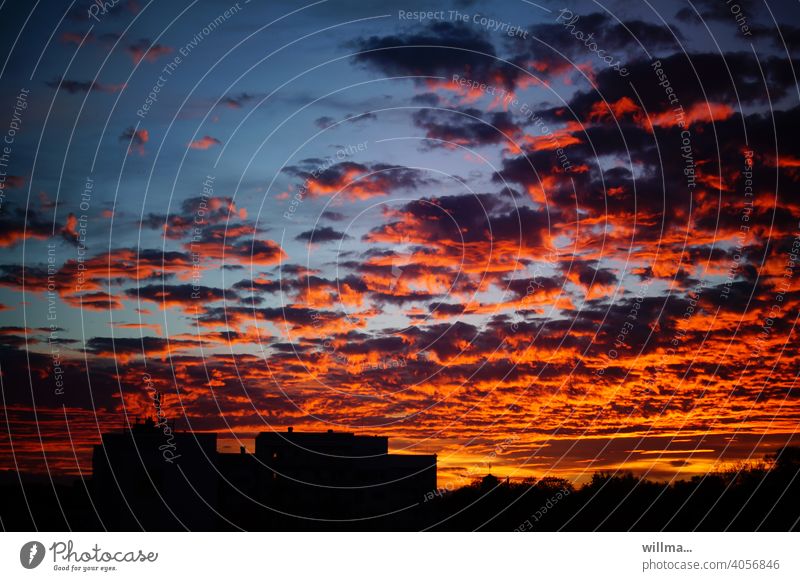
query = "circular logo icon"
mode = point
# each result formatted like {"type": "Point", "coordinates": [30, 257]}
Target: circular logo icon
{"type": "Point", "coordinates": [31, 554]}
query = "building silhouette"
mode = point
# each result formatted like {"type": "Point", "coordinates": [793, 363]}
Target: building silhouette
{"type": "Point", "coordinates": [135, 485]}
{"type": "Point", "coordinates": [157, 479]}
{"type": "Point", "coordinates": [336, 475]}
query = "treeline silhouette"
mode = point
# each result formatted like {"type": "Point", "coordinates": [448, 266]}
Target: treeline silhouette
{"type": "Point", "coordinates": [762, 496]}
{"type": "Point", "coordinates": [758, 496]}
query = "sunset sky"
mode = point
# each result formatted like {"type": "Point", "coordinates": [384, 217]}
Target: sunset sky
{"type": "Point", "coordinates": [481, 233]}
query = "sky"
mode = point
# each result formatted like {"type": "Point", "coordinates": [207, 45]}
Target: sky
{"type": "Point", "coordinates": [536, 239]}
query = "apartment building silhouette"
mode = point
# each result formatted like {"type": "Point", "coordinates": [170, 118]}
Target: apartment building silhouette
{"type": "Point", "coordinates": [146, 477]}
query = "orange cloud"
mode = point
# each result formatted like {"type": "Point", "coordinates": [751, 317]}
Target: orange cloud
{"type": "Point", "coordinates": [204, 142]}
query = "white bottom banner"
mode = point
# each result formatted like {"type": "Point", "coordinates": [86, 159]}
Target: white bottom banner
{"type": "Point", "coordinates": [371, 556]}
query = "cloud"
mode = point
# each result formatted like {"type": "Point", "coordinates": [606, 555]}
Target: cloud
{"type": "Point", "coordinates": [217, 230]}
{"type": "Point", "coordinates": [136, 138]}
{"type": "Point", "coordinates": [182, 295]}
{"type": "Point", "coordinates": [354, 181]}
{"type": "Point", "coordinates": [127, 348]}
{"type": "Point", "coordinates": [69, 231]}
{"type": "Point", "coordinates": [321, 235]}
{"type": "Point", "coordinates": [122, 8]}
{"type": "Point", "coordinates": [237, 101]}
{"type": "Point", "coordinates": [710, 10]}
{"type": "Point", "coordinates": [467, 127]}
{"type": "Point", "coordinates": [297, 319]}
{"type": "Point", "coordinates": [426, 99]}
{"type": "Point", "coordinates": [204, 142]}
{"type": "Point", "coordinates": [609, 34]}
{"type": "Point", "coordinates": [453, 221]}
{"type": "Point", "coordinates": [143, 49]}
{"type": "Point", "coordinates": [76, 38]}
{"type": "Point", "coordinates": [787, 40]}
{"type": "Point", "coordinates": [324, 122]}
{"type": "Point", "coordinates": [262, 285]}
{"type": "Point", "coordinates": [95, 301]}
{"type": "Point", "coordinates": [239, 250]}
{"type": "Point", "coordinates": [11, 182]}
{"type": "Point", "coordinates": [115, 266]}
{"type": "Point", "coordinates": [72, 86]}
{"type": "Point", "coordinates": [333, 216]}
{"type": "Point", "coordinates": [203, 213]}
{"type": "Point", "coordinates": [439, 50]}
{"type": "Point", "coordinates": [697, 78]}
{"type": "Point", "coordinates": [17, 225]}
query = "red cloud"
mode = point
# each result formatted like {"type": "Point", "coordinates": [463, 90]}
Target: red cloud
{"type": "Point", "coordinates": [69, 231]}
{"type": "Point", "coordinates": [243, 251]}
{"type": "Point", "coordinates": [355, 181]}
{"type": "Point", "coordinates": [11, 182]}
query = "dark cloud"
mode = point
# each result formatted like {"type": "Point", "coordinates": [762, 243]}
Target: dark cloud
{"type": "Point", "coordinates": [333, 216]}
{"type": "Point", "coordinates": [145, 49]}
{"type": "Point", "coordinates": [469, 127]}
{"type": "Point", "coordinates": [426, 99]}
{"type": "Point", "coordinates": [237, 101]}
{"type": "Point", "coordinates": [290, 315]}
{"type": "Point", "coordinates": [466, 219]}
{"type": "Point", "coordinates": [324, 122]}
{"type": "Point", "coordinates": [136, 138]}
{"type": "Point", "coordinates": [717, 11]}
{"type": "Point", "coordinates": [609, 35]}
{"type": "Point", "coordinates": [355, 180]}
{"type": "Point", "coordinates": [199, 212]}
{"type": "Point", "coordinates": [179, 295]}
{"type": "Point", "coordinates": [96, 301]}
{"type": "Point", "coordinates": [129, 346]}
{"type": "Point", "coordinates": [17, 224]}
{"type": "Point", "coordinates": [73, 86]}
{"type": "Point", "coordinates": [696, 78]}
{"type": "Point", "coordinates": [321, 235]}
{"type": "Point", "coordinates": [785, 37]}
{"type": "Point", "coordinates": [258, 286]}
{"type": "Point", "coordinates": [440, 49]}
